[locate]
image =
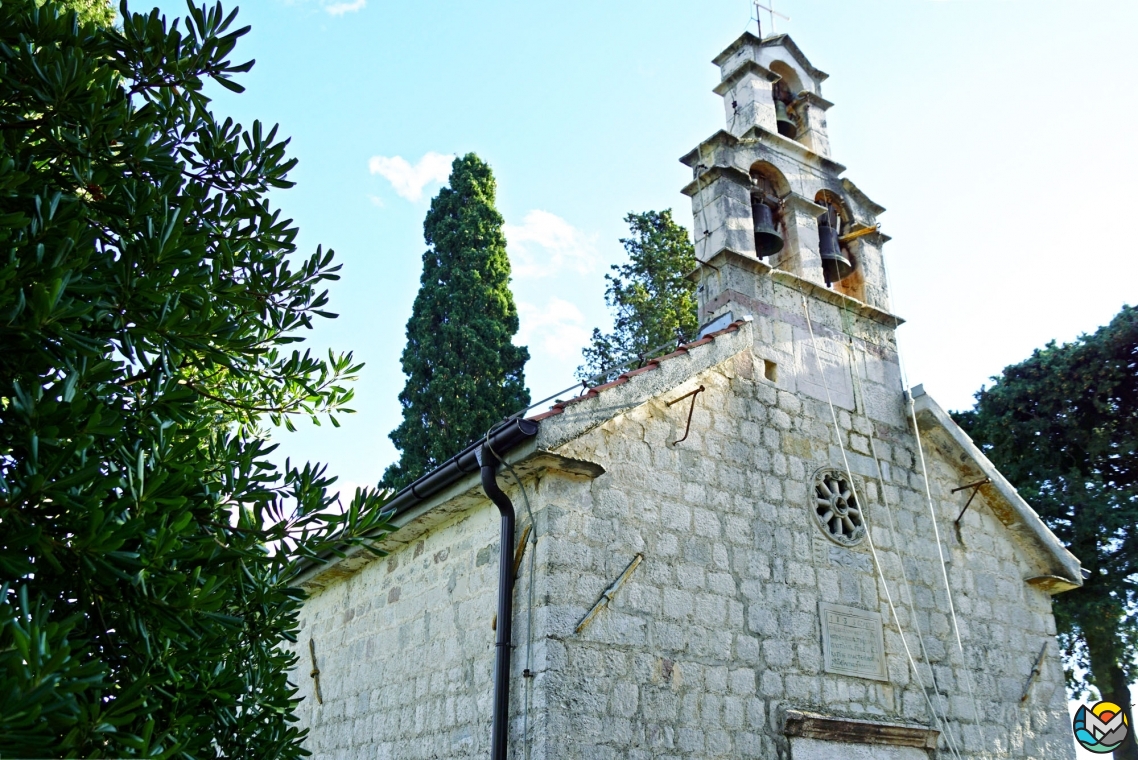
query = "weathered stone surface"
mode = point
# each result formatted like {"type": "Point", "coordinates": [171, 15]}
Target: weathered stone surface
{"type": "Point", "coordinates": [717, 636]}
{"type": "Point", "coordinates": [814, 749]}
{"type": "Point", "coordinates": [717, 633]}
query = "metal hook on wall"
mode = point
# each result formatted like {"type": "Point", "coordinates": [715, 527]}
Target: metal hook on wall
{"type": "Point", "coordinates": [975, 490]}
{"type": "Point", "coordinates": [691, 411]}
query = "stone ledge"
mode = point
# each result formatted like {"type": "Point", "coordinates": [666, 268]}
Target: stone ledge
{"type": "Point", "coordinates": [810, 725]}
{"type": "Point", "coordinates": [822, 293]}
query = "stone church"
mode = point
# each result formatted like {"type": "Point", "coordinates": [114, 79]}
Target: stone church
{"type": "Point", "coordinates": [760, 545]}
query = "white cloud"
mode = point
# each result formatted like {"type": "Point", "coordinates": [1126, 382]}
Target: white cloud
{"type": "Point", "coordinates": [556, 329]}
{"type": "Point", "coordinates": [375, 200]}
{"type": "Point", "coordinates": [409, 181]}
{"type": "Point", "coordinates": [544, 244]}
{"type": "Point", "coordinates": [339, 9]}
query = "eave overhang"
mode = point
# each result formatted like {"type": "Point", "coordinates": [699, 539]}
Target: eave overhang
{"type": "Point", "coordinates": [1062, 570]}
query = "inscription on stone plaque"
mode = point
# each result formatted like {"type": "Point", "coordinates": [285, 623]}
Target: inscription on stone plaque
{"type": "Point", "coordinates": [853, 643]}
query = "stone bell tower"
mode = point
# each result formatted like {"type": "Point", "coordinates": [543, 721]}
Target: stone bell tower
{"type": "Point", "coordinates": [766, 195]}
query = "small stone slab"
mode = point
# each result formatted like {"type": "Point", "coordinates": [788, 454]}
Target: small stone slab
{"type": "Point", "coordinates": [853, 642]}
{"type": "Point", "coordinates": [830, 728]}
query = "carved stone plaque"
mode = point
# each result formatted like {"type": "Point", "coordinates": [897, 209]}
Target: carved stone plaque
{"type": "Point", "coordinates": [853, 643]}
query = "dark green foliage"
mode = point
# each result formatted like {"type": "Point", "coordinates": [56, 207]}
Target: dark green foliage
{"type": "Point", "coordinates": [148, 294]}
{"type": "Point", "coordinates": [463, 373]}
{"type": "Point", "coordinates": [1063, 427]}
{"type": "Point", "coordinates": [655, 304]}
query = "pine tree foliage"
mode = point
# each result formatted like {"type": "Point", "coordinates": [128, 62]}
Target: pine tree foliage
{"type": "Point", "coordinates": [654, 303]}
{"type": "Point", "coordinates": [150, 303]}
{"type": "Point", "coordinates": [1063, 427]}
{"type": "Point", "coordinates": [464, 374]}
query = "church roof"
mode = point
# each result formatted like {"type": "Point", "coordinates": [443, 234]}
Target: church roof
{"type": "Point", "coordinates": [1063, 569]}
{"type": "Point", "coordinates": [776, 40]}
{"type": "Point", "coordinates": [533, 450]}
{"type": "Point", "coordinates": [682, 350]}
{"type": "Point", "coordinates": [455, 484]}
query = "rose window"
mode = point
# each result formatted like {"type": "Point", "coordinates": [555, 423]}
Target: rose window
{"type": "Point", "coordinates": [835, 506]}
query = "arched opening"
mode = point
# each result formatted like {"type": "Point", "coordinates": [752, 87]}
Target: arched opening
{"type": "Point", "coordinates": [767, 188]}
{"type": "Point", "coordinates": [839, 261]}
{"type": "Point", "coordinates": [784, 92]}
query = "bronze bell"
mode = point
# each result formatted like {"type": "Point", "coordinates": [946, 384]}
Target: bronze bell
{"type": "Point", "coordinates": [835, 265]}
{"type": "Point", "coordinates": [786, 125]}
{"type": "Point", "coordinates": [767, 239]}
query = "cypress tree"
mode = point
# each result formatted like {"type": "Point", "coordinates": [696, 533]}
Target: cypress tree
{"type": "Point", "coordinates": [463, 373]}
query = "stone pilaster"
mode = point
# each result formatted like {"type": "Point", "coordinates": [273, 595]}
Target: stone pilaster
{"type": "Point", "coordinates": [800, 254]}
{"type": "Point", "coordinates": [721, 212]}
{"type": "Point", "coordinates": [748, 100]}
{"type": "Point", "coordinates": [812, 131]}
{"type": "Point", "coordinates": [866, 251]}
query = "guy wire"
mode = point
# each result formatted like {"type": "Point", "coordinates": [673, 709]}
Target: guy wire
{"type": "Point", "coordinates": [949, 738]}
{"type": "Point", "coordinates": [847, 323]}
{"type": "Point", "coordinates": [936, 529]}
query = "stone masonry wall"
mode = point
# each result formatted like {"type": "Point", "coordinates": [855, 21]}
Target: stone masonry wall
{"type": "Point", "coordinates": [406, 650]}
{"type": "Point", "coordinates": [717, 633]}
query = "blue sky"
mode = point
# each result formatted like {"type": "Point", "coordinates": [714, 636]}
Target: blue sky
{"type": "Point", "coordinates": [999, 134]}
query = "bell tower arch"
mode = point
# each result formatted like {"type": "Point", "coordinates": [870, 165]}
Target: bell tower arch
{"type": "Point", "coordinates": [767, 198]}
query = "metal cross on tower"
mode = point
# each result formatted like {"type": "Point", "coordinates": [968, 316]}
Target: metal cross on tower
{"type": "Point", "coordinates": [759, 7]}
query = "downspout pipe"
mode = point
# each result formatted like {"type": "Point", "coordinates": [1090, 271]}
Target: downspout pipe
{"type": "Point", "coordinates": [500, 730]}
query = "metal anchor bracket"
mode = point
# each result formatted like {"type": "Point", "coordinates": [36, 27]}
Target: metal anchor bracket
{"type": "Point", "coordinates": [975, 490]}
{"type": "Point", "coordinates": [691, 411]}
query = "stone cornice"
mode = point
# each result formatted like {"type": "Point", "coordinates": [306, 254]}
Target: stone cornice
{"type": "Point", "coordinates": [861, 198]}
{"type": "Point", "coordinates": [728, 257]}
{"type": "Point", "coordinates": [814, 100]}
{"type": "Point", "coordinates": [773, 141]}
{"type": "Point", "coordinates": [748, 67]}
{"type": "Point", "coordinates": [792, 48]}
{"type": "Point", "coordinates": [722, 137]}
{"type": "Point", "coordinates": [747, 38]}
{"type": "Point", "coordinates": [802, 204]}
{"type": "Point", "coordinates": [704, 180]}
{"type": "Point", "coordinates": [848, 303]}
{"type": "Point", "coordinates": [792, 148]}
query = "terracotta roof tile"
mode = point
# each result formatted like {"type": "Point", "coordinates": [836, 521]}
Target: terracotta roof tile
{"type": "Point", "coordinates": [682, 349]}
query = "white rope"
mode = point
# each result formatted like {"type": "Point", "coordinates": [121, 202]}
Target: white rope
{"type": "Point", "coordinates": [944, 567]}
{"type": "Point", "coordinates": [892, 523]}
{"type": "Point", "coordinates": [932, 513]}
{"type": "Point", "coordinates": [950, 740]}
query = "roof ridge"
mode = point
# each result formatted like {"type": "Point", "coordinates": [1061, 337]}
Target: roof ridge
{"type": "Point", "coordinates": [624, 377]}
